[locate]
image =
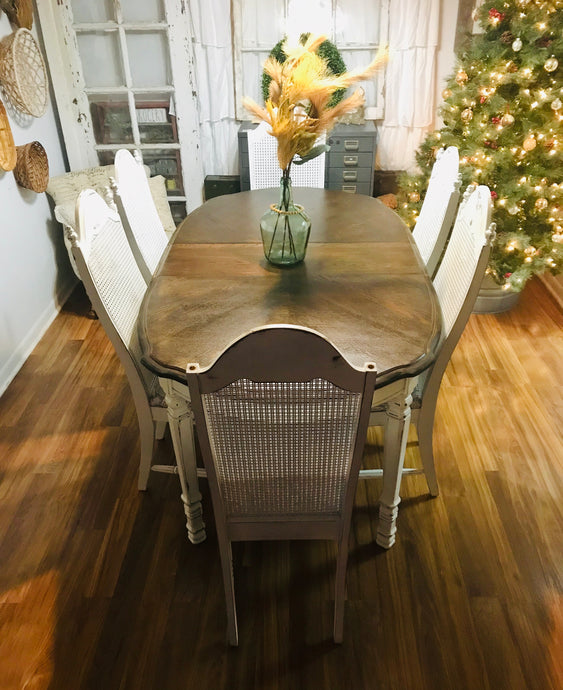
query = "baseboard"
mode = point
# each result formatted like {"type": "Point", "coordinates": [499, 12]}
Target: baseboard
{"type": "Point", "coordinates": [26, 347]}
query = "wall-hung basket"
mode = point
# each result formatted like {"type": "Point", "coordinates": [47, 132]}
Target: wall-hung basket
{"type": "Point", "coordinates": [32, 167]}
{"type": "Point", "coordinates": [7, 148]}
{"type": "Point", "coordinates": [22, 72]}
{"type": "Point", "coordinates": [20, 12]}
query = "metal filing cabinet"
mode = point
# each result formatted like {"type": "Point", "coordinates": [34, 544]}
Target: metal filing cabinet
{"type": "Point", "coordinates": [348, 165]}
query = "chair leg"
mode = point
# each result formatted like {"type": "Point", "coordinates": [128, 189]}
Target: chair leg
{"type": "Point", "coordinates": [226, 554]}
{"type": "Point", "coordinates": [340, 589]}
{"type": "Point", "coordinates": [160, 430]}
{"type": "Point", "coordinates": [424, 428]}
{"type": "Point", "coordinates": [146, 430]}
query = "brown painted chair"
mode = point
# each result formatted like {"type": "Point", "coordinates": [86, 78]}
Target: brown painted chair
{"type": "Point", "coordinates": [281, 419]}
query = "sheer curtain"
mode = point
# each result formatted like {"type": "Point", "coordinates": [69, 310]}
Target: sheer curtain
{"type": "Point", "coordinates": [409, 81]}
{"type": "Point", "coordinates": [213, 54]}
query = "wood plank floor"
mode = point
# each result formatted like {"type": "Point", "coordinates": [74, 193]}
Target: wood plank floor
{"type": "Point", "coordinates": [100, 588]}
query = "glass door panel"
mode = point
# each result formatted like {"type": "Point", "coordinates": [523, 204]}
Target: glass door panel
{"type": "Point", "coordinates": [87, 11]}
{"type": "Point", "coordinates": [101, 58]}
{"type": "Point", "coordinates": [157, 122]}
{"type": "Point", "coordinates": [148, 58]}
{"type": "Point", "coordinates": [146, 11]}
{"type": "Point", "coordinates": [111, 119]}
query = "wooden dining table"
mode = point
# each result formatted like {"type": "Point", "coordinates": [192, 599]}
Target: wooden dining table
{"type": "Point", "coordinates": [362, 285]}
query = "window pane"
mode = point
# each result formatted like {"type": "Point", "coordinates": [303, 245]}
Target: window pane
{"type": "Point", "coordinates": [156, 124]}
{"type": "Point", "coordinates": [101, 60]}
{"type": "Point", "coordinates": [313, 16]}
{"type": "Point", "coordinates": [262, 23]}
{"type": "Point", "coordinates": [148, 58]}
{"type": "Point", "coordinates": [111, 120]}
{"type": "Point", "coordinates": [349, 30]}
{"type": "Point", "coordinates": [88, 11]}
{"type": "Point", "coordinates": [167, 164]}
{"type": "Point", "coordinates": [146, 11]}
{"type": "Point", "coordinates": [361, 58]}
{"type": "Point", "coordinates": [252, 75]}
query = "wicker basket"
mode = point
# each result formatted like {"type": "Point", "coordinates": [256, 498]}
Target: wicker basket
{"type": "Point", "coordinates": [7, 148]}
{"type": "Point", "coordinates": [32, 167]}
{"type": "Point", "coordinates": [22, 72]}
{"type": "Point", "coordinates": [20, 12]}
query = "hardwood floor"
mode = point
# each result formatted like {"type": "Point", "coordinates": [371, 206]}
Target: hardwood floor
{"type": "Point", "coordinates": [100, 587]}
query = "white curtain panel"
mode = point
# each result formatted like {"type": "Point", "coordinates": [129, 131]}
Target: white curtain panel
{"type": "Point", "coordinates": [409, 81]}
{"type": "Point", "coordinates": [213, 54]}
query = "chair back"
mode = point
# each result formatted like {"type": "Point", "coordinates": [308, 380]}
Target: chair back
{"type": "Point", "coordinates": [264, 167]}
{"type": "Point", "coordinates": [282, 419]}
{"type": "Point", "coordinates": [459, 276]}
{"type": "Point", "coordinates": [112, 280]}
{"type": "Point", "coordinates": [138, 212]}
{"type": "Point", "coordinates": [438, 208]}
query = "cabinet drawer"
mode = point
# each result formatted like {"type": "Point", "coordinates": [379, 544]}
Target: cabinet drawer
{"type": "Point", "coordinates": [353, 175]}
{"type": "Point", "coordinates": [352, 187]}
{"type": "Point", "coordinates": [350, 144]}
{"type": "Point", "coordinates": [350, 160]}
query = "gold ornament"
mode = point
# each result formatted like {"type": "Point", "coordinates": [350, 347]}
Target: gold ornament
{"type": "Point", "coordinates": [556, 104]}
{"type": "Point", "coordinates": [414, 197]}
{"type": "Point", "coordinates": [446, 93]}
{"type": "Point", "coordinates": [513, 210]}
{"type": "Point", "coordinates": [529, 143]}
{"type": "Point", "coordinates": [467, 115]}
{"type": "Point", "coordinates": [541, 204]}
{"type": "Point", "coordinates": [461, 77]}
{"type": "Point", "coordinates": [507, 119]}
{"type": "Point", "coordinates": [551, 64]}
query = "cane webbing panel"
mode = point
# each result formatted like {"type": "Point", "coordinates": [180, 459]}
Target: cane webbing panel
{"type": "Point", "coordinates": [264, 167]}
{"type": "Point", "coordinates": [457, 270]}
{"type": "Point", "coordinates": [140, 209]}
{"type": "Point", "coordinates": [282, 449]}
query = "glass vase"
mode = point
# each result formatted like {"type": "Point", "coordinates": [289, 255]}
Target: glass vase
{"type": "Point", "coordinates": [285, 229]}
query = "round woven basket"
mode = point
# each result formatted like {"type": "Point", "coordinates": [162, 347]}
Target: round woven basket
{"type": "Point", "coordinates": [22, 72]}
{"type": "Point", "coordinates": [7, 148]}
{"type": "Point", "coordinates": [32, 167]}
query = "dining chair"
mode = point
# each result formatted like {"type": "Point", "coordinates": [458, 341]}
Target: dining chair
{"type": "Point", "coordinates": [457, 283]}
{"type": "Point", "coordinates": [281, 419]}
{"type": "Point", "coordinates": [139, 216]}
{"type": "Point", "coordinates": [438, 208]}
{"type": "Point", "coordinates": [116, 289]}
{"type": "Point", "coordinates": [264, 167]}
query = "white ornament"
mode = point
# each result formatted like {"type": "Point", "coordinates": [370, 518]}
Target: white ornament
{"type": "Point", "coordinates": [556, 104]}
{"type": "Point", "coordinates": [517, 44]}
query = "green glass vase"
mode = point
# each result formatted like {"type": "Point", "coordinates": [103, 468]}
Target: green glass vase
{"type": "Point", "coordinates": [285, 229]}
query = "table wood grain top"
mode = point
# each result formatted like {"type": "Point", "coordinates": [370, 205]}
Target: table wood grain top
{"type": "Point", "coordinates": [362, 285]}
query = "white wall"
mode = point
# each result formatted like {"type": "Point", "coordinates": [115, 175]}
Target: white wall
{"type": "Point", "coordinates": [35, 274]}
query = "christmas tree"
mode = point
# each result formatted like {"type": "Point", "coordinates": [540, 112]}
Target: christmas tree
{"type": "Point", "coordinates": [503, 110]}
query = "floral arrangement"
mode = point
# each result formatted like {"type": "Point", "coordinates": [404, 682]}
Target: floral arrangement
{"type": "Point", "coordinates": [298, 108]}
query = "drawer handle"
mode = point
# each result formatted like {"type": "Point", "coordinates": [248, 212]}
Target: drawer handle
{"type": "Point", "coordinates": [349, 188]}
{"type": "Point", "coordinates": [350, 160]}
{"type": "Point", "coordinates": [350, 175]}
{"type": "Point", "coordinates": [351, 144]}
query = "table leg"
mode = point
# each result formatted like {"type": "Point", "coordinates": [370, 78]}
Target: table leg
{"type": "Point", "coordinates": [180, 419]}
{"type": "Point", "coordinates": [398, 414]}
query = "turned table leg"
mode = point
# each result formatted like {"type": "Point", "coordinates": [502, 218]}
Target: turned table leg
{"type": "Point", "coordinates": [180, 419]}
{"type": "Point", "coordinates": [398, 414]}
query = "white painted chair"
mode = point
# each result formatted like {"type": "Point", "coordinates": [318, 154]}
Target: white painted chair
{"type": "Point", "coordinates": [139, 216]}
{"type": "Point", "coordinates": [457, 283]}
{"type": "Point", "coordinates": [264, 167]}
{"type": "Point", "coordinates": [282, 420]}
{"type": "Point", "coordinates": [438, 208]}
{"type": "Point", "coordinates": [116, 288]}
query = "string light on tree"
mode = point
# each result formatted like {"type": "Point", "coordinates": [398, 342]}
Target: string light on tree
{"type": "Point", "coordinates": [503, 110]}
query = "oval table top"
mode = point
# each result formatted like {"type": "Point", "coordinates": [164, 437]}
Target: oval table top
{"type": "Point", "coordinates": [362, 285]}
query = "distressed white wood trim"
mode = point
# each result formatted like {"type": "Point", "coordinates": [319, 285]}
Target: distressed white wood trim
{"type": "Point", "coordinates": [187, 115]}
{"type": "Point", "coordinates": [55, 18]}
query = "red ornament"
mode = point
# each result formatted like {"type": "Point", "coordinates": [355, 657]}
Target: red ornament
{"type": "Point", "coordinates": [495, 14]}
{"type": "Point", "coordinates": [507, 275]}
{"type": "Point", "coordinates": [494, 195]}
{"type": "Point", "coordinates": [482, 99]}
{"type": "Point", "coordinates": [495, 120]}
